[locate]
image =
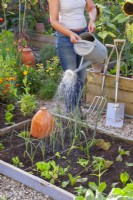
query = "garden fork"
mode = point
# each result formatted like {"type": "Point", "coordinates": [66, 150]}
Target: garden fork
{"type": "Point", "coordinates": [99, 102]}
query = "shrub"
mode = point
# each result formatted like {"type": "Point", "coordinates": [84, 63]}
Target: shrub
{"type": "Point", "coordinates": [33, 78]}
{"type": "Point", "coordinates": [47, 53]}
{"type": "Point", "coordinates": [52, 74]}
{"type": "Point", "coordinates": [48, 90]}
{"type": "Point", "coordinates": [28, 104]}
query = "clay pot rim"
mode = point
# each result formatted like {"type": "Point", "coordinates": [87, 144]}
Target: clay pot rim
{"type": "Point", "coordinates": [43, 108]}
{"type": "Point", "coordinates": [26, 49]}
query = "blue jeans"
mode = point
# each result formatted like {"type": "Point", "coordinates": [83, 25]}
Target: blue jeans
{"type": "Point", "coordinates": [70, 60]}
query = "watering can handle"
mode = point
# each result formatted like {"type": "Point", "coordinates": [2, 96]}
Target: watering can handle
{"type": "Point", "coordinates": [86, 44]}
{"type": "Point", "coordinates": [119, 53]}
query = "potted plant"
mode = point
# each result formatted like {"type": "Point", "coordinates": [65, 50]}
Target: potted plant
{"type": "Point", "coordinates": [27, 55]}
{"type": "Point", "coordinates": [37, 15]}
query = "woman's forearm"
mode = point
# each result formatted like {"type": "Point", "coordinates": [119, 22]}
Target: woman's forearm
{"type": "Point", "coordinates": [91, 9]}
{"type": "Point", "coordinates": [93, 14]}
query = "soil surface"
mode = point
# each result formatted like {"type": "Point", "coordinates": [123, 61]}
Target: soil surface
{"type": "Point", "coordinates": [16, 146]}
{"type": "Point", "coordinates": [17, 115]}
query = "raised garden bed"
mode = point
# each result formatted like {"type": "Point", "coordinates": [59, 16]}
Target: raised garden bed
{"type": "Point", "coordinates": [57, 148]}
{"type": "Point", "coordinates": [125, 92]}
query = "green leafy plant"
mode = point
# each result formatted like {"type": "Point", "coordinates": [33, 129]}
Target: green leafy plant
{"type": "Point", "coordinates": [35, 77]}
{"type": "Point", "coordinates": [8, 63]}
{"type": "Point", "coordinates": [58, 155]}
{"type": "Point", "coordinates": [28, 104]}
{"type": "Point", "coordinates": [47, 53]}
{"type": "Point", "coordinates": [124, 177]}
{"type": "Point", "coordinates": [121, 153]}
{"type": "Point", "coordinates": [100, 187]}
{"type": "Point", "coordinates": [26, 136]}
{"type": "Point", "coordinates": [73, 180]}
{"type": "Point", "coordinates": [83, 162]}
{"type": "Point", "coordinates": [48, 90]}
{"type": "Point", "coordinates": [1, 146]}
{"type": "Point", "coordinates": [80, 190]}
{"type": "Point", "coordinates": [16, 162]}
{"type": "Point", "coordinates": [31, 150]}
{"type": "Point", "coordinates": [100, 166]}
{"type": "Point", "coordinates": [28, 101]}
{"type": "Point", "coordinates": [105, 27]}
{"type": "Point", "coordinates": [129, 164]}
{"type": "Point", "coordinates": [52, 75]}
{"type": "Point", "coordinates": [125, 193]}
{"type": "Point", "coordinates": [8, 114]}
{"type": "Point", "coordinates": [50, 170]}
{"type": "Point", "coordinates": [101, 163]}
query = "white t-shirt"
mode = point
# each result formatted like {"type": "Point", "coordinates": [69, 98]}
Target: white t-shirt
{"type": "Point", "coordinates": [71, 13]}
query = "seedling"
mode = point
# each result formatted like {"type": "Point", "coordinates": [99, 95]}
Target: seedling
{"type": "Point", "coordinates": [80, 190]}
{"type": "Point", "coordinates": [31, 152]}
{"type": "Point", "coordinates": [8, 114]}
{"type": "Point", "coordinates": [73, 180]}
{"type": "Point", "coordinates": [99, 162]}
{"type": "Point", "coordinates": [100, 187]}
{"type": "Point", "coordinates": [83, 162]}
{"type": "Point", "coordinates": [103, 145]}
{"type": "Point", "coordinates": [50, 170]}
{"type": "Point", "coordinates": [1, 146]}
{"type": "Point", "coordinates": [58, 155]}
{"type": "Point", "coordinates": [124, 177]}
{"type": "Point", "coordinates": [16, 162]}
{"type": "Point", "coordinates": [129, 164]}
{"type": "Point", "coordinates": [100, 165]}
{"type": "Point", "coordinates": [121, 153]}
{"type": "Point", "coordinates": [26, 136]}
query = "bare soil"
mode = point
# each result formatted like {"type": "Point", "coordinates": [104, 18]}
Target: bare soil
{"type": "Point", "coordinates": [17, 115]}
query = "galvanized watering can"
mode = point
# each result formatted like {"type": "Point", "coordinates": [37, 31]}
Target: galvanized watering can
{"type": "Point", "coordinates": [91, 49]}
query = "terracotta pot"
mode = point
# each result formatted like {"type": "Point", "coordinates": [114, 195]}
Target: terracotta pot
{"type": "Point", "coordinates": [28, 57]}
{"type": "Point", "coordinates": [39, 27]}
{"type": "Point", "coordinates": [42, 124]}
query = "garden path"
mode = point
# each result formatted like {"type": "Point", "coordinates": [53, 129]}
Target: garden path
{"type": "Point", "coordinates": [13, 190]}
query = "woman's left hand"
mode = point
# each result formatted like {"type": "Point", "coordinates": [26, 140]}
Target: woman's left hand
{"type": "Point", "coordinates": [91, 26]}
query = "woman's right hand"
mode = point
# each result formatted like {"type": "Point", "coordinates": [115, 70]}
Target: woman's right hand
{"type": "Point", "coordinates": [74, 38]}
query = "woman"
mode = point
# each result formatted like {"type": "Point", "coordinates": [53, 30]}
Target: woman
{"type": "Point", "coordinates": [68, 19]}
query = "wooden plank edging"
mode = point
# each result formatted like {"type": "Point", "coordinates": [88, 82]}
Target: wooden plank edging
{"type": "Point", "coordinates": [96, 78]}
{"type": "Point", "coordinates": [99, 130]}
{"type": "Point", "coordinates": [34, 182]}
{"type": "Point", "coordinates": [7, 130]}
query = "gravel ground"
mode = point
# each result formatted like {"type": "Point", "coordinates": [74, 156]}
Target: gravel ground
{"type": "Point", "coordinates": [12, 190]}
